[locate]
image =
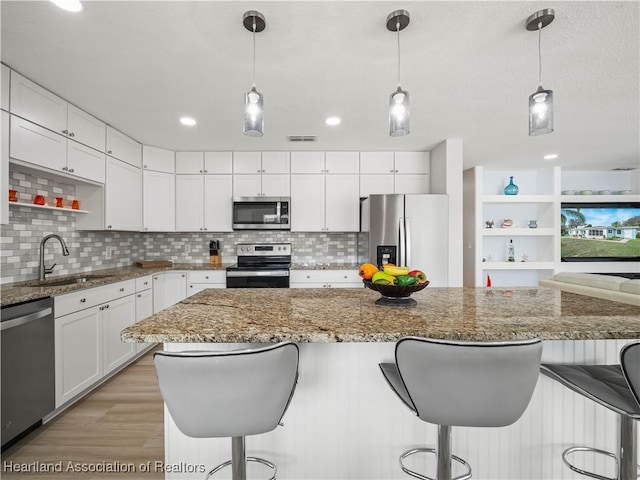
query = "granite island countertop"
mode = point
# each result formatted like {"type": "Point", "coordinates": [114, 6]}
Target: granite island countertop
{"type": "Point", "coordinates": [350, 315]}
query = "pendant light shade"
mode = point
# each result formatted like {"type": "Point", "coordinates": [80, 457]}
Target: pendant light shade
{"type": "Point", "coordinates": [399, 99]}
{"type": "Point", "coordinates": [540, 101]}
{"type": "Point", "coordinates": [253, 103]}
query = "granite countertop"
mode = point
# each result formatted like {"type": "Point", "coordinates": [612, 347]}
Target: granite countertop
{"type": "Point", "coordinates": [350, 315]}
{"type": "Point", "coordinates": [33, 290]}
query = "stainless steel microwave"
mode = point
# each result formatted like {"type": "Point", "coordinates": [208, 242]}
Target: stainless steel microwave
{"type": "Point", "coordinates": [261, 213]}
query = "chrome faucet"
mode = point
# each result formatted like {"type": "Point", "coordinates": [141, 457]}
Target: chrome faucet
{"type": "Point", "coordinates": [42, 270]}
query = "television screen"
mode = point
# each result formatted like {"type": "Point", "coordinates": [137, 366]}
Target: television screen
{"type": "Point", "coordinates": [600, 232]}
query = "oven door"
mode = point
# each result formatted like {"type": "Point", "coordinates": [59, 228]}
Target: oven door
{"type": "Point", "coordinates": [258, 279]}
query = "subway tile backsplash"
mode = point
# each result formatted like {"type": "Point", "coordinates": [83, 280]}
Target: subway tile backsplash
{"type": "Point", "coordinates": [20, 239]}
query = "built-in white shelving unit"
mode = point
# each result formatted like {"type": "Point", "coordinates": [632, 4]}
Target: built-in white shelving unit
{"type": "Point", "coordinates": [47, 207]}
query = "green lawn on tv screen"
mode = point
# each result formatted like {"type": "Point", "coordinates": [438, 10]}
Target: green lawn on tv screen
{"type": "Point", "coordinates": [586, 247]}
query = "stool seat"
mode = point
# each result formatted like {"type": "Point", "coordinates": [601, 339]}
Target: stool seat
{"type": "Point", "coordinates": [604, 384]}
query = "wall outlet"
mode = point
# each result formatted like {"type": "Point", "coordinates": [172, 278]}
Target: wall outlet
{"type": "Point", "coordinates": [110, 251]}
{"type": "Point", "coordinates": [187, 249]}
{"type": "Point", "coordinates": [325, 248]}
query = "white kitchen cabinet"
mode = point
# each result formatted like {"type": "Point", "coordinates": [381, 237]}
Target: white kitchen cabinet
{"type": "Point", "coordinates": [123, 147]}
{"type": "Point", "coordinates": [379, 184]}
{"type": "Point", "coordinates": [307, 162]}
{"type": "Point", "coordinates": [144, 305]}
{"type": "Point", "coordinates": [325, 203]}
{"type": "Point", "coordinates": [276, 163]}
{"type": "Point", "coordinates": [412, 163]}
{"type": "Point", "coordinates": [6, 81]}
{"type": "Point", "coordinates": [117, 315]}
{"type": "Point", "coordinates": [189, 163]}
{"type": "Point", "coordinates": [261, 185]}
{"type": "Point", "coordinates": [78, 352]}
{"type": "Point", "coordinates": [218, 163]}
{"type": "Point", "coordinates": [123, 196]}
{"type": "Point", "coordinates": [203, 203]}
{"type": "Point", "coordinates": [325, 162]}
{"type": "Point", "coordinates": [85, 128]}
{"type": "Point", "coordinates": [399, 172]}
{"type": "Point", "coordinates": [247, 162]}
{"type": "Point", "coordinates": [377, 162]}
{"type": "Point", "coordinates": [169, 288]}
{"type": "Point", "coordinates": [43, 148]}
{"type": "Point", "coordinates": [408, 184]}
{"type": "Point", "coordinates": [38, 105]}
{"type": "Point", "coordinates": [342, 162]}
{"type": "Point", "coordinates": [325, 279]}
{"type": "Point", "coordinates": [158, 201]}
{"type": "Point", "coordinates": [158, 159]}
{"type": "Point", "coordinates": [4, 167]}
{"type": "Point", "coordinates": [203, 279]}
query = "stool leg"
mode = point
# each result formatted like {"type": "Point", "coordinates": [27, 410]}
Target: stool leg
{"type": "Point", "coordinates": [238, 459]}
{"type": "Point", "coordinates": [628, 449]}
{"type": "Point", "coordinates": [444, 453]}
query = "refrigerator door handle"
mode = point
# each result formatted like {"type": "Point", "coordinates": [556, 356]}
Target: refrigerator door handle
{"type": "Point", "coordinates": [407, 235]}
{"type": "Point", "coordinates": [402, 243]}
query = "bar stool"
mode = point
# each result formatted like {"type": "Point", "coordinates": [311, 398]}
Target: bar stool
{"type": "Point", "coordinates": [455, 383]}
{"type": "Point", "coordinates": [229, 394]}
{"type": "Point", "coordinates": [616, 387]}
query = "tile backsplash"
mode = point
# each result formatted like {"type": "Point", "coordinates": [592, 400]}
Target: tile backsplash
{"type": "Point", "coordinates": [20, 239]}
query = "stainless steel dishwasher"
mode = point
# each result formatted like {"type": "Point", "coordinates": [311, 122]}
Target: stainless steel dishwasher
{"type": "Point", "coordinates": [27, 385]}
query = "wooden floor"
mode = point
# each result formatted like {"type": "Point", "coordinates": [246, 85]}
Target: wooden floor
{"type": "Point", "coordinates": [118, 424]}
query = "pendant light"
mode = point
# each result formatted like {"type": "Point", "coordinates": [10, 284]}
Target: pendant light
{"type": "Point", "coordinates": [399, 99]}
{"type": "Point", "coordinates": [253, 113]}
{"type": "Point", "coordinates": [540, 101]}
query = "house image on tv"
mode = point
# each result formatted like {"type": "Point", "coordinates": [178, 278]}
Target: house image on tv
{"type": "Point", "coordinates": [604, 232]}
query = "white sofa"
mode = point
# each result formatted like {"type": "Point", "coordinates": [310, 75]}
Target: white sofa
{"type": "Point", "coordinates": [609, 287]}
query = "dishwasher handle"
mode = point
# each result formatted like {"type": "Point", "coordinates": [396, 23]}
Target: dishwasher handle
{"type": "Point", "coordinates": [16, 322]}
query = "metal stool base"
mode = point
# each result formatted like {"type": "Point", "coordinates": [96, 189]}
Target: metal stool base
{"type": "Point", "coordinates": [571, 450]}
{"type": "Point", "coordinates": [431, 450]}
{"type": "Point", "coordinates": [249, 459]}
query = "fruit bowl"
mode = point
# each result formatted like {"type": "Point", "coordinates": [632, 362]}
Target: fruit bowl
{"type": "Point", "coordinates": [394, 295]}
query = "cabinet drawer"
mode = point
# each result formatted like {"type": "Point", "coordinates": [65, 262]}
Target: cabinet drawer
{"type": "Point", "coordinates": [323, 276]}
{"type": "Point", "coordinates": [143, 283]}
{"type": "Point", "coordinates": [207, 276]}
{"type": "Point", "coordinates": [73, 302]}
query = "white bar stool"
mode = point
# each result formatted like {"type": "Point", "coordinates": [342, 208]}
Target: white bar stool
{"type": "Point", "coordinates": [455, 383]}
{"type": "Point", "coordinates": [616, 387]}
{"type": "Point", "coordinates": [229, 394]}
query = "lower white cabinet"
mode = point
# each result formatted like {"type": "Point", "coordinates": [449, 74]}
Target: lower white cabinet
{"type": "Point", "coordinates": [87, 341]}
{"type": "Point", "coordinates": [144, 304]}
{"type": "Point", "coordinates": [325, 279]}
{"type": "Point", "coordinates": [203, 279]}
{"type": "Point", "coordinates": [169, 288]}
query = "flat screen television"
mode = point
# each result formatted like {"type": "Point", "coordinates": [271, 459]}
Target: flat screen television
{"type": "Point", "coordinates": [600, 232]}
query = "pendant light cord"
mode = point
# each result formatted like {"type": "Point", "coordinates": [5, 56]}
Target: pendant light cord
{"type": "Point", "coordinates": [254, 52]}
{"type": "Point", "coordinates": [539, 53]}
{"type": "Point", "coordinates": [398, 30]}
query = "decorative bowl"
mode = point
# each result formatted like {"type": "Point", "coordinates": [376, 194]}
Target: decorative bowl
{"type": "Point", "coordinates": [394, 295]}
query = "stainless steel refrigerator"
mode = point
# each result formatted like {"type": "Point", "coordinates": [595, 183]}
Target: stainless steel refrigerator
{"type": "Point", "coordinates": [409, 230]}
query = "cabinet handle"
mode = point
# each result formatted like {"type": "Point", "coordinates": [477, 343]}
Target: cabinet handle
{"type": "Point", "coordinates": [259, 170]}
{"type": "Point", "coordinates": [71, 170]}
{"type": "Point", "coordinates": [106, 306]}
{"type": "Point", "coordinates": [396, 171]}
{"type": "Point", "coordinates": [326, 171]}
{"type": "Point", "coordinates": [122, 289]}
{"type": "Point", "coordinates": [205, 171]}
{"type": "Point", "coordinates": [83, 300]}
{"type": "Point", "coordinates": [65, 131]}
{"type": "Point", "coordinates": [108, 226]}
{"type": "Point", "coordinates": [200, 171]}
{"type": "Point", "coordinates": [139, 295]}
{"type": "Point", "coordinates": [146, 283]}
{"type": "Point", "coordinates": [144, 166]}
{"type": "Point", "coordinates": [101, 308]}
{"type": "Point", "coordinates": [109, 152]}
{"type": "Point", "coordinates": [345, 276]}
{"type": "Point", "coordinates": [72, 134]}
{"type": "Point", "coordinates": [155, 278]}
{"type": "Point", "coordinates": [263, 171]}
{"type": "Point", "coordinates": [183, 275]}
{"type": "Point", "coordinates": [205, 229]}
{"type": "Point", "coordinates": [207, 277]}
{"type": "Point", "coordinates": [308, 276]}
{"type": "Point", "coordinates": [65, 168]}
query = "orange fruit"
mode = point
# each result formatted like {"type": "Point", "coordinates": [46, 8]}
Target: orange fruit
{"type": "Point", "coordinates": [367, 270]}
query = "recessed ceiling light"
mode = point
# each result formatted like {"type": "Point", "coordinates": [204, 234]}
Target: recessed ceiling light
{"type": "Point", "coordinates": [188, 121]}
{"type": "Point", "coordinates": [333, 121]}
{"type": "Point", "coordinates": [68, 5]}
{"type": "Point", "coordinates": [551, 156]}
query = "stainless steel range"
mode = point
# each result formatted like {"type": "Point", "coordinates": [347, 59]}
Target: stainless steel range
{"type": "Point", "coordinates": [260, 265]}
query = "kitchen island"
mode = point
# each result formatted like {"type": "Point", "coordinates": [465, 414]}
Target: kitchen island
{"type": "Point", "coordinates": [345, 423]}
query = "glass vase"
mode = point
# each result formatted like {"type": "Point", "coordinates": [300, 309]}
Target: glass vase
{"type": "Point", "coordinates": [512, 188]}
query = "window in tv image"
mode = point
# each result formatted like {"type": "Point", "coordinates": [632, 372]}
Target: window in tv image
{"type": "Point", "coordinates": [600, 232]}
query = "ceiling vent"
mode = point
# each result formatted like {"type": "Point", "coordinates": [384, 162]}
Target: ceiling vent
{"type": "Point", "coordinates": [302, 138]}
{"type": "Point", "coordinates": [623, 169]}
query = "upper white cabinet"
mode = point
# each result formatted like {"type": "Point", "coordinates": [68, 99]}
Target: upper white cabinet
{"type": "Point", "coordinates": [193, 163]}
{"type": "Point", "coordinates": [261, 162]}
{"type": "Point", "coordinates": [158, 201]}
{"type": "Point", "coordinates": [43, 148]}
{"type": "Point", "coordinates": [203, 203]}
{"type": "Point", "coordinates": [261, 185]}
{"type": "Point", "coordinates": [321, 162]}
{"type": "Point", "coordinates": [322, 203]}
{"type": "Point", "coordinates": [124, 148]}
{"type": "Point", "coordinates": [394, 172]}
{"type": "Point", "coordinates": [40, 106]}
{"type": "Point", "coordinates": [158, 159]}
{"type": "Point", "coordinates": [6, 81]}
{"type": "Point", "coordinates": [123, 196]}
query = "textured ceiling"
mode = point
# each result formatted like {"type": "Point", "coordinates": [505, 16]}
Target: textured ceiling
{"type": "Point", "coordinates": [469, 67]}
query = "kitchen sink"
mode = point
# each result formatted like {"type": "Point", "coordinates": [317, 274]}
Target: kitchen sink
{"type": "Point", "coordinates": [67, 281]}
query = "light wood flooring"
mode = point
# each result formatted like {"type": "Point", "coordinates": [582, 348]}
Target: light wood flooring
{"type": "Point", "coordinates": [121, 421]}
